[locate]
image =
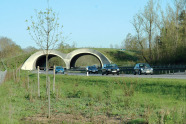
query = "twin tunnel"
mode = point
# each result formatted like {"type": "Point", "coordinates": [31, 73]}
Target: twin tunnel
{"type": "Point", "coordinates": [39, 58]}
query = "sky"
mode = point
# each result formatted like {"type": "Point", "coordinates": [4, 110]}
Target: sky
{"type": "Point", "coordinates": [88, 23]}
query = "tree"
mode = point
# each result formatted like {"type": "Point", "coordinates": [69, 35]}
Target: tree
{"type": "Point", "coordinates": [131, 43]}
{"type": "Point", "coordinates": [111, 46]}
{"type": "Point", "coordinates": [149, 17]}
{"type": "Point", "coordinates": [30, 49]}
{"type": "Point", "coordinates": [45, 31]}
{"type": "Point", "coordinates": [172, 37]}
{"type": "Point", "coordinates": [138, 26]}
{"type": "Point", "coordinates": [8, 48]}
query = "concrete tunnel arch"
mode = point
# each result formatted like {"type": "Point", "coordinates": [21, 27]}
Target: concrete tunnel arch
{"type": "Point", "coordinates": [76, 57]}
{"type": "Point", "coordinates": [69, 59]}
{"type": "Point", "coordinates": [31, 62]}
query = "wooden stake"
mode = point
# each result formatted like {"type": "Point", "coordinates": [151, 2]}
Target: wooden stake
{"type": "Point", "coordinates": [38, 83]}
{"type": "Point", "coordinates": [48, 97]}
{"type": "Point", "coordinates": [28, 80]}
{"type": "Point", "coordinates": [54, 80]}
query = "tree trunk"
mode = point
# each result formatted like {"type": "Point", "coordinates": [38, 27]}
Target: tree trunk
{"type": "Point", "coordinates": [38, 81]}
{"type": "Point", "coordinates": [48, 97]}
{"type": "Point", "coordinates": [47, 72]}
{"type": "Point", "coordinates": [150, 38]}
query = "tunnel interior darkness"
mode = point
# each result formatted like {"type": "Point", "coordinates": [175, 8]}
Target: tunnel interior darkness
{"type": "Point", "coordinates": [41, 61]}
{"type": "Point", "coordinates": [75, 58]}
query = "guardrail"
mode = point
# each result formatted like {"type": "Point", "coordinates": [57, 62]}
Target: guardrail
{"type": "Point", "coordinates": [165, 69]}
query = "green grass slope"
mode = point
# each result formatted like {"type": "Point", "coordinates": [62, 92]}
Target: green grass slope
{"type": "Point", "coordinates": [121, 58]}
{"type": "Point", "coordinates": [15, 62]}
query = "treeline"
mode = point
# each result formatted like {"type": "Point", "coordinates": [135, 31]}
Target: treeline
{"type": "Point", "coordinates": [8, 48]}
{"type": "Point", "coordinates": [160, 35]}
{"type": "Point", "coordinates": [13, 55]}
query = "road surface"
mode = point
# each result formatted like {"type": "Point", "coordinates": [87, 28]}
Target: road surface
{"type": "Point", "coordinates": [166, 76]}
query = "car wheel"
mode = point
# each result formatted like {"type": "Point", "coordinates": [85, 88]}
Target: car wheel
{"type": "Point", "coordinates": [134, 73]}
{"type": "Point", "coordinates": [139, 72]}
{"type": "Point", "coordinates": [106, 73]}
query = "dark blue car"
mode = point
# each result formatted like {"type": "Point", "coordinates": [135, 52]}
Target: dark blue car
{"type": "Point", "coordinates": [92, 69]}
{"type": "Point", "coordinates": [110, 69]}
{"type": "Point", "coordinates": [59, 69]}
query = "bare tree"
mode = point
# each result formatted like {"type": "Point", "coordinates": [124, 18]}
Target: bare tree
{"type": "Point", "coordinates": [138, 25]}
{"type": "Point", "coordinates": [45, 31]}
{"type": "Point", "coordinates": [149, 18]}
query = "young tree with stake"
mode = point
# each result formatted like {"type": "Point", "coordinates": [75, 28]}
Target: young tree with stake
{"type": "Point", "coordinates": [45, 30]}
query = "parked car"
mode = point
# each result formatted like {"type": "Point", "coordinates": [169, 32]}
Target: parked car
{"type": "Point", "coordinates": [110, 69]}
{"type": "Point", "coordinates": [59, 69]}
{"type": "Point", "coordinates": [92, 69]}
{"type": "Point", "coordinates": [143, 68]}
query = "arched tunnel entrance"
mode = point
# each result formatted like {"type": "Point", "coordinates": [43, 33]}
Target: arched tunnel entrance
{"type": "Point", "coordinates": [73, 59]}
{"type": "Point", "coordinates": [52, 59]}
{"type": "Point", "coordinates": [85, 59]}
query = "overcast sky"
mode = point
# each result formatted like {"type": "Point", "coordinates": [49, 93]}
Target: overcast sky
{"type": "Point", "coordinates": [88, 23]}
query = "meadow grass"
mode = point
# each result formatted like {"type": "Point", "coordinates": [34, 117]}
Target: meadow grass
{"type": "Point", "coordinates": [80, 99]}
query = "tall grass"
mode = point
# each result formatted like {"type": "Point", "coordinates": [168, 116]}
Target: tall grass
{"type": "Point", "coordinates": [94, 100]}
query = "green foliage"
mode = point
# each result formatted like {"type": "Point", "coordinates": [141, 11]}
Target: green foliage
{"type": "Point", "coordinates": [8, 48]}
{"type": "Point", "coordinates": [160, 36]}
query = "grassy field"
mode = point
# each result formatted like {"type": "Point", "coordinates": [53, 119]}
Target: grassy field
{"type": "Point", "coordinates": [81, 99]}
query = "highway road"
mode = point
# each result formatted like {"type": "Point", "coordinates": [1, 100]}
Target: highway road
{"type": "Point", "coordinates": [166, 76]}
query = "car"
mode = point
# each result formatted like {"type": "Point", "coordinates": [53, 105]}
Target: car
{"type": "Point", "coordinates": [110, 69]}
{"type": "Point", "coordinates": [143, 68]}
{"type": "Point", "coordinates": [59, 69]}
{"type": "Point", "coordinates": [92, 69]}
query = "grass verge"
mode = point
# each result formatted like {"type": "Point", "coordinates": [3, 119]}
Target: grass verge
{"type": "Point", "coordinates": [80, 99]}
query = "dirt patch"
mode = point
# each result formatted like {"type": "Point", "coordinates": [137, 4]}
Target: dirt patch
{"type": "Point", "coordinates": [71, 118]}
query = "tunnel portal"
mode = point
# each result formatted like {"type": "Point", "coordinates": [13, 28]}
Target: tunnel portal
{"type": "Point", "coordinates": [39, 58]}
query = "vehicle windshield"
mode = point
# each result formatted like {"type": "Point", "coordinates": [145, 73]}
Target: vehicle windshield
{"type": "Point", "coordinates": [59, 67]}
{"type": "Point", "coordinates": [112, 65]}
{"type": "Point", "coordinates": [92, 67]}
{"type": "Point", "coordinates": [144, 65]}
